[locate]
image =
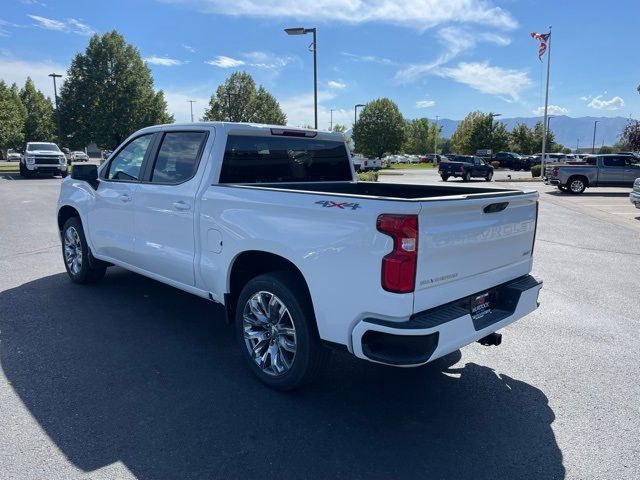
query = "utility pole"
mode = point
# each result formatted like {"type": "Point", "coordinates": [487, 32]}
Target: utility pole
{"type": "Point", "coordinates": [191, 102]}
{"type": "Point", "coordinates": [331, 124]}
{"type": "Point", "coordinates": [577, 145]}
{"type": "Point", "coordinates": [55, 96]}
{"type": "Point", "coordinates": [229, 95]}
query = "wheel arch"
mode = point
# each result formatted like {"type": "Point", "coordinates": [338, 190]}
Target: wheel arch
{"type": "Point", "coordinates": [65, 213]}
{"type": "Point", "coordinates": [582, 177]}
{"type": "Point", "coordinates": [251, 263]}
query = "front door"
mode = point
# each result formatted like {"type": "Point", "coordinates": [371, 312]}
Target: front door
{"type": "Point", "coordinates": [165, 207]}
{"type": "Point", "coordinates": [111, 219]}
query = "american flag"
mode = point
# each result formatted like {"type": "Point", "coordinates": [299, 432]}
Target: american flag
{"type": "Point", "coordinates": [543, 38]}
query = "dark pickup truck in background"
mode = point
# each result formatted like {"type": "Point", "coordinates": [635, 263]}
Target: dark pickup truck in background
{"type": "Point", "coordinates": [466, 167]}
{"type": "Point", "coordinates": [613, 170]}
{"type": "Point", "coordinates": [515, 161]}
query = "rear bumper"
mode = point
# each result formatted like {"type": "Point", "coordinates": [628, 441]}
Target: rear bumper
{"type": "Point", "coordinates": [439, 331]}
{"type": "Point", "coordinates": [551, 181]}
{"type": "Point", "coordinates": [634, 197]}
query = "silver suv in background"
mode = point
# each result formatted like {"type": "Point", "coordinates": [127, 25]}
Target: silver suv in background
{"type": "Point", "coordinates": [43, 157]}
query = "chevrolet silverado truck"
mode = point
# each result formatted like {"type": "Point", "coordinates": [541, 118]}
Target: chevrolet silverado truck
{"type": "Point", "coordinates": [611, 170]}
{"type": "Point", "coordinates": [271, 223]}
{"type": "Point", "coordinates": [43, 157]}
{"type": "Point", "coordinates": [465, 166]}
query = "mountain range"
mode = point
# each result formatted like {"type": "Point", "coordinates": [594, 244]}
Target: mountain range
{"type": "Point", "coordinates": [567, 130]}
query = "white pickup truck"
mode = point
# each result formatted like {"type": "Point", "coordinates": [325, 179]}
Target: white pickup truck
{"type": "Point", "coordinates": [271, 223]}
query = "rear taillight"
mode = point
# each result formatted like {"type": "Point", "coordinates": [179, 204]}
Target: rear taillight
{"type": "Point", "coordinates": [399, 266]}
{"type": "Point", "coordinates": [555, 171]}
{"type": "Point", "coordinates": [535, 228]}
{"type": "Point", "coordinates": [462, 168]}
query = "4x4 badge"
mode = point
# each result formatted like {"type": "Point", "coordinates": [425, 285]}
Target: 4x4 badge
{"type": "Point", "coordinates": [340, 205]}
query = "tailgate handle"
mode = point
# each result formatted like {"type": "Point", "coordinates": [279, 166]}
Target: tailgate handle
{"type": "Point", "coordinates": [495, 207]}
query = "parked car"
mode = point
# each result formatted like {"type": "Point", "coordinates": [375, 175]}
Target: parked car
{"type": "Point", "coordinates": [610, 170]}
{"type": "Point", "coordinates": [79, 156]}
{"type": "Point", "coordinates": [43, 157]}
{"type": "Point", "coordinates": [466, 167]}
{"type": "Point", "coordinates": [550, 158]}
{"type": "Point", "coordinates": [362, 164]}
{"type": "Point", "coordinates": [271, 223]}
{"type": "Point", "coordinates": [434, 158]}
{"type": "Point", "coordinates": [506, 159]}
{"type": "Point", "coordinates": [634, 196]}
{"type": "Point", "coordinates": [13, 156]}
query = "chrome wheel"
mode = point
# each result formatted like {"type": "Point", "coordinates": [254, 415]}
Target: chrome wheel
{"type": "Point", "coordinates": [269, 333]}
{"type": "Point", "coordinates": [577, 186]}
{"type": "Point", "coordinates": [72, 250]}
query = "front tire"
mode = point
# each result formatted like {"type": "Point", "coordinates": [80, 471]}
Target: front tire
{"type": "Point", "coordinates": [24, 172]}
{"type": "Point", "coordinates": [467, 177]}
{"type": "Point", "coordinates": [276, 331]}
{"type": "Point", "coordinates": [75, 253]}
{"type": "Point", "coordinates": [489, 177]}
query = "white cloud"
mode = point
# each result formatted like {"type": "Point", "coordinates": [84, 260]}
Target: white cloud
{"type": "Point", "coordinates": [488, 79]}
{"type": "Point", "coordinates": [299, 110]}
{"type": "Point", "coordinates": [164, 61]}
{"type": "Point", "coordinates": [225, 62]}
{"type": "Point", "coordinates": [551, 110]}
{"type": "Point", "coordinates": [16, 71]}
{"type": "Point", "coordinates": [455, 41]}
{"type": "Point", "coordinates": [189, 48]}
{"type": "Point", "coordinates": [71, 25]}
{"type": "Point", "coordinates": [419, 14]}
{"type": "Point", "coordinates": [425, 103]}
{"type": "Point", "coordinates": [613, 104]}
{"type": "Point", "coordinates": [5, 26]}
{"type": "Point", "coordinates": [336, 85]}
{"type": "Point", "coordinates": [262, 60]}
{"type": "Point", "coordinates": [586, 98]}
{"type": "Point", "coordinates": [368, 58]}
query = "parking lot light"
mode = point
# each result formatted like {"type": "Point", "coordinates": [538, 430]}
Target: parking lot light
{"type": "Point", "coordinates": [313, 47]}
{"type": "Point", "coordinates": [355, 111]}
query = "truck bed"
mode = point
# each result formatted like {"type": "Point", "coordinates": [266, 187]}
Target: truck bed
{"type": "Point", "coordinates": [386, 191]}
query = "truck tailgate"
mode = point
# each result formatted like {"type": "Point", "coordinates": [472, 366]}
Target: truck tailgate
{"type": "Point", "coordinates": [469, 244]}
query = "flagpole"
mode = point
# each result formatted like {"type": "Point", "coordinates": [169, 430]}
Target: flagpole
{"type": "Point", "coordinates": [546, 104]}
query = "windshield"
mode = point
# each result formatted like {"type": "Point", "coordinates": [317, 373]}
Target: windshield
{"type": "Point", "coordinates": [49, 147]}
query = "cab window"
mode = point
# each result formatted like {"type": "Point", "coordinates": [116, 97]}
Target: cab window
{"type": "Point", "coordinates": [126, 165]}
{"type": "Point", "coordinates": [177, 158]}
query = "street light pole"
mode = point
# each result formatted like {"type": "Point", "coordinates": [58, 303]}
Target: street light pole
{"type": "Point", "coordinates": [492, 115]}
{"type": "Point", "coordinates": [593, 146]}
{"type": "Point", "coordinates": [435, 142]}
{"type": "Point", "coordinates": [229, 95]}
{"type": "Point", "coordinates": [355, 111]}
{"type": "Point", "coordinates": [577, 145]}
{"type": "Point", "coordinates": [55, 96]}
{"type": "Point", "coordinates": [191, 102]}
{"type": "Point", "coordinates": [304, 31]}
{"type": "Point", "coordinates": [331, 124]}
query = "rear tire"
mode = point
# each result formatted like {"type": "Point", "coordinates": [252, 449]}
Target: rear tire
{"type": "Point", "coordinates": [75, 254]}
{"type": "Point", "coordinates": [444, 177]}
{"type": "Point", "coordinates": [276, 331]}
{"type": "Point", "coordinates": [576, 185]}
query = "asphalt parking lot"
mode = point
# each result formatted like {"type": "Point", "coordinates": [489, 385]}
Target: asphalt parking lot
{"type": "Point", "coordinates": [134, 379]}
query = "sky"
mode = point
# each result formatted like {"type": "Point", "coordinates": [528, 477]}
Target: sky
{"type": "Point", "coordinates": [432, 57]}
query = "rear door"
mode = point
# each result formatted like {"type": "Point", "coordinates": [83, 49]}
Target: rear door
{"type": "Point", "coordinates": [631, 171]}
{"type": "Point", "coordinates": [612, 172]}
{"type": "Point", "coordinates": [111, 220]}
{"type": "Point", "coordinates": [470, 243]}
{"type": "Point", "coordinates": [165, 206]}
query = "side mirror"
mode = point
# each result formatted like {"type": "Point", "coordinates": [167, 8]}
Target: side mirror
{"type": "Point", "coordinates": [85, 173]}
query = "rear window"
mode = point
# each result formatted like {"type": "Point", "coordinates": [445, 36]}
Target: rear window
{"type": "Point", "coordinates": [264, 159]}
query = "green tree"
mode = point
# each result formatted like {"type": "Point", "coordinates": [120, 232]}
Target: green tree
{"type": "Point", "coordinates": [605, 149]}
{"type": "Point", "coordinates": [478, 131]}
{"type": "Point", "coordinates": [551, 145]}
{"type": "Point", "coordinates": [521, 140]}
{"type": "Point", "coordinates": [420, 136]}
{"type": "Point", "coordinates": [630, 136]}
{"type": "Point", "coordinates": [39, 124]}
{"type": "Point", "coordinates": [238, 100]}
{"type": "Point", "coordinates": [108, 94]}
{"type": "Point", "coordinates": [499, 138]}
{"type": "Point", "coordinates": [380, 129]}
{"type": "Point", "coordinates": [12, 115]}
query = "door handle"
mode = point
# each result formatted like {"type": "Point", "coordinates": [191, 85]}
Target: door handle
{"type": "Point", "coordinates": [125, 197]}
{"type": "Point", "coordinates": [180, 205]}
